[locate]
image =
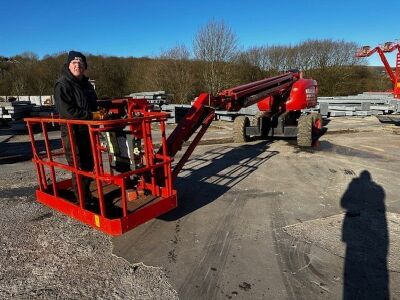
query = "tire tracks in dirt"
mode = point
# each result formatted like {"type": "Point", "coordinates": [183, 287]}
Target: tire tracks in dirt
{"type": "Point", "coordinates": [301, 278]}
{"type": "Point", "coordinates": [204, 280]}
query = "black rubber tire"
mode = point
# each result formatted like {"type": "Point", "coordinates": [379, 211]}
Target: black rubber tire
{"type": "Point", "coordinates": [307, 134]}
{"type": "Point", "coordinates": [239, 129]}
{"type": "Point", "coordinates": [255, 121]}
{"type": "Point", "coordinates": [304, 132]}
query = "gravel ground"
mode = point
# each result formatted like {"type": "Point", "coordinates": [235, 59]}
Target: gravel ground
{"type": "Point", "coordinates": [45, 255]}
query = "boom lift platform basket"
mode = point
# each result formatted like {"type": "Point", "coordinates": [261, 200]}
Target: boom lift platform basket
{"type": "Point", "coordinates": [125, 199]}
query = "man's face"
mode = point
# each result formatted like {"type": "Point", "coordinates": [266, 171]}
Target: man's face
{"type": "Point", "coordinates": [77, 67]}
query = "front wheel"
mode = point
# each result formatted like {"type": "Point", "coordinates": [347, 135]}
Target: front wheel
{"type": "Point", "coordinates": [309, 129]}
{"type": "Point", "coordinates": [239, 129]}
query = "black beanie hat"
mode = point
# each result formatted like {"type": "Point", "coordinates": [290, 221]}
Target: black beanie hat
{"type": "Point", "coordinates": [74, 54]}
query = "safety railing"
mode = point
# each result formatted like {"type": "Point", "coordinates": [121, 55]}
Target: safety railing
{"type": "Point", "coordinates": [147, 172]}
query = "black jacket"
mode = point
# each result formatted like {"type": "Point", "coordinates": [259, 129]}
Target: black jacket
{"type": "Point", "coordinates": [74, 99]}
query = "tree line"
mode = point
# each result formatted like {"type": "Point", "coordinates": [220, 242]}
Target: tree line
{"type": "Point", "coordinates": [214, 61]}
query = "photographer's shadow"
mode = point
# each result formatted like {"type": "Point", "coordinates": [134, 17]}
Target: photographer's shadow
{"type": "Point", "coordinates": [365, 233]}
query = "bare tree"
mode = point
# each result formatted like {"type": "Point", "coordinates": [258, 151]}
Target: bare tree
{"type": "Point", "coordinates": [218, 65]}
{"type": "Point", "coordinates": [24, 79]}
{"type": "Point", "coordinates": [251, 65]}
{"type": "Point", "coordinates": [216, 44]}
{"type": "Point", "coordinates": [305, 55]}
{"type": "Point", "coordinates": [257, 56]}
{"type": "Point", "coordinates": [111, 74]}
{"type": "Point", "coordinates": [173, 73]}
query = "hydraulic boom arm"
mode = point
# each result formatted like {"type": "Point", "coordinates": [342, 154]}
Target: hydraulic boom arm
{"type": "Point", "coordinates": [202, 111]}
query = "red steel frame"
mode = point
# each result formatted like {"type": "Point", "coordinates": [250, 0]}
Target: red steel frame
{"type": "Point", "coordinates": [381, 50]}
{"type": "Point", "coordinates": [156, 175]}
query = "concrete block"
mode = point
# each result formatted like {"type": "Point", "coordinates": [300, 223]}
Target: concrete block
{"type": "Point", "coordinates": [363, 113]}
{"type": "Point", "coordinates": [336, 113]}
{"type": "Point", "coordinates": [35, 100]}
{"type": "Point", "coordinates": [251, 110]}
{"type": "Point", "coordinates": [366, 105]}
{"type": "Point", "coordinates": [23, 98]}
{"type": "Point", "coordinates": [337, 107]}
{"type": "Point", "coordinates": [380, 107]}
{"type": "Point", "coordinates": [226, 118]}
{"type": "Point", "coordinates": [376, 112]}
{"type": "Point", "coordinates": [324, 109]}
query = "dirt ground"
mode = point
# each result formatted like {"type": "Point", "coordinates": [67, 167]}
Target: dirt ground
{"type": "Point", "coordinates": [262, 220]}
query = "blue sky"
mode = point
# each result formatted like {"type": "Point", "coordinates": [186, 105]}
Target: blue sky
{"type": "Point", "coordinates": [144, 28]}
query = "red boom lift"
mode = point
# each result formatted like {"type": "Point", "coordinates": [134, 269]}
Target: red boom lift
{"type": "Point", "coordinates": [133, 176]}
{"type": "Point", "coordinates": [366, 51]}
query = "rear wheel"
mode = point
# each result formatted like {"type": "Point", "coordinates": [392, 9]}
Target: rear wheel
{"type": "Point", "coordinates": [239, 129]}
{"type": "Point", "coordinates": [309, 127]}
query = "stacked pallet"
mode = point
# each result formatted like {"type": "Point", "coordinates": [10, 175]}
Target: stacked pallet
{"type": "Point", "coordinates": [15, 110]}
{"type": "Point", "coordinates": [365, 104]}
{"type": "Point", "coordinates": [43, 111]}
{"type": "Point", "coordinates": [38, 100]}
{"type": "Point", "coordinates": [157, 98]}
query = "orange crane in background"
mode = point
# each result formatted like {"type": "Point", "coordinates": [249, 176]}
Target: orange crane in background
{"type": "Point", "coordinates": [366, 51]}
